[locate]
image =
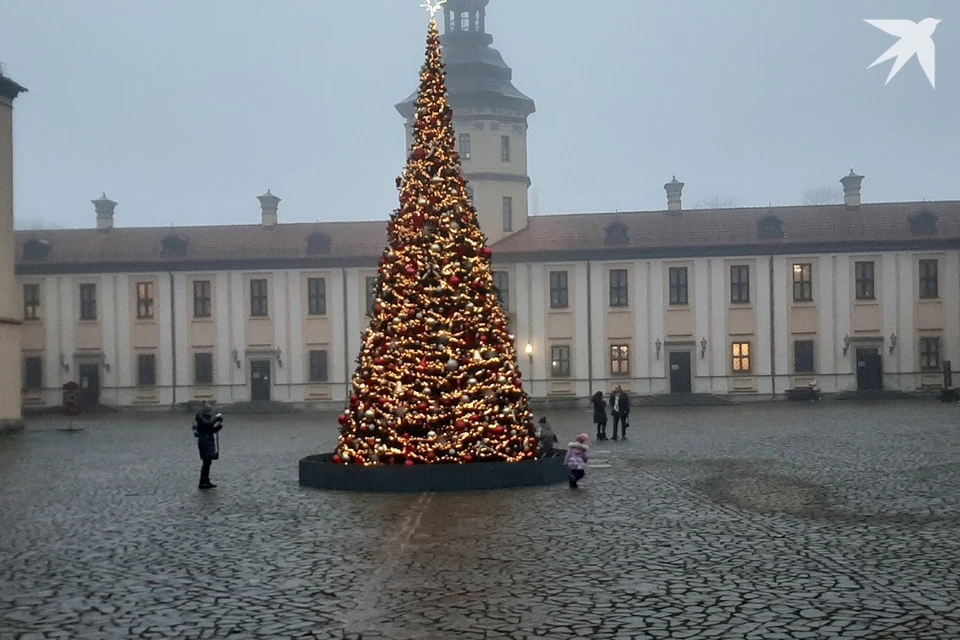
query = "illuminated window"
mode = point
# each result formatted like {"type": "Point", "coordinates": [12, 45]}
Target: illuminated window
{"type": "Point", "coordinates": [144, 300]}
{"type": "Point", "coordinates": [863, 272]}
{"type": "Point", "coordinates": [740, 284]}
{"type": "Point", "coordinates": [741, 357]}
{"type": "Point", "coordinates": [803, 283]}
{"type": "Point", "coordinates": [929, 354]}
{"type": "Point", "coordinates": [560, 361]}
{"type": "Point", "coordinates": [620, 359]}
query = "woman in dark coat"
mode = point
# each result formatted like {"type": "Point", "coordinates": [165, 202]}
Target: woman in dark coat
{"type": "Point", "coordinates": [206, 427]}
{"type": "Point", "coordinates": [600, 415]}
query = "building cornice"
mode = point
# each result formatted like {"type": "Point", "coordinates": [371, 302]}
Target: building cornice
{"type": "Point", "coordinates": [10, 89]}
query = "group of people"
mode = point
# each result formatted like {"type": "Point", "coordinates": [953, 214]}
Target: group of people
{"type": "Point", "coordinates": [578, 451]}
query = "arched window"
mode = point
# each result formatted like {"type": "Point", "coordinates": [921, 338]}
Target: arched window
{"type": "Point", "coordinates": [318, 243]}
{"type": "Point", "coordinates": [770, 227]}
{"type": "Point", "coordinates": [616, 233]}
{"type": "Point", "coordinates": [465, 21]}
{"type": "Point", "coordinates": [36, 249]}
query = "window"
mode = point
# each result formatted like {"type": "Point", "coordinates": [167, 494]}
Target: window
{"type": "Point", "coordinates": [863, 273]}
{"type": "Point", "coordinates": [501, 284]}
{"type": "Point", "coordinates": [316, 296]}
{"type": "Point", "coordinates": [465, 146]}
{"type": "Point", "coordinates": [504, 148]}
{"type": "Point", "coordinates": [929, 353]}
{"type": "Point", "coordinates": [803, 283]}
{"type": "Point", "coordinates": [929, 279]}
{"type": "Point", "coordinates": [202, 307]}
{"type": "Point", "coordinates": [559, 298]}
{"type": "Point", "coordinates": [371, 294]}
{"type": "Point", "coordinates": [620, 359]}
{"type": "Point", "coordinates": [88, 302]}
{"type": "Point", "coordinates": [803, 356]}
{"type": "Point", "coordinates": [259, 306]}
{"type": "Point", "coordinates": [146, 370]}
{"type": "Point", "coordinates": [465, 21]}
{"type": "Point", "coordinates": [318, 243]}
{"type": "Point", "coordinates": [203, 368]}
{"type": "Point", "coordinates": [507, 213]}
{"type": "Point", "coordinates": [740, 284]}
{"type": "Point", "coordinates": [32, 373]}
{"type": "Point", "coordinates": [31, 302]}
{"type": "Point", "coordinates": [560, 361]}
{"type": "Point", "coordinates": [318, 366]}
{"type": "Point", "coordinates": [144, 300]}
{"type": "Point", "coordinates": [616, 234]}
{"type": "Point", "coordinates": [678, 285]}
{"type": "Point", "coordinates": [741, 357]}
{"type": "Point", "coordinates": [619, 295]}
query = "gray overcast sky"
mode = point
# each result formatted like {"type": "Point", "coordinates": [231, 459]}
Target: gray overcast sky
{"type": "Point", "coordinates": [185, 111]}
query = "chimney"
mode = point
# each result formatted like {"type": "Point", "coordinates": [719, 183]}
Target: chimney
{"type": "Point", "coordinates": [268, 209]}
{"type": "Point", "coordinates": [674, 189]}
{"type": "Point", "coordinates": [104, 207]}
{"type": "Point", "coordinates": [851, 190]}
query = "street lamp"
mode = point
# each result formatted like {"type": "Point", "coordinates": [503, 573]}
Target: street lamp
{"type": "Point", "coordinates": [703, 347]}
{"type": "Point", "coordinates": [528, 350]}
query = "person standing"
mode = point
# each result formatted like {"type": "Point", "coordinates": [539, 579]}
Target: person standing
{"type": "Point", "coordinates": [600, 415]}
{"type": "Point", "coordinates": [619, 409]}
{"type": "Point", "coordinates": [548, 439]}
{"type": "Point", "coordinates": [578, 453]}
{"type": "Point", "coordinates": [206, 428]}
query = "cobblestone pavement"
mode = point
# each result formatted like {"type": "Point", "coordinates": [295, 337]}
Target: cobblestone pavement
{"type": "Point", "coordinates": [831, 520]}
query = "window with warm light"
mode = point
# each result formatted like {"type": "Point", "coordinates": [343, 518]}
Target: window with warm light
{"type": "Point", "coordinates": [144, 300]}
{"type": "Point", "coordinates": [619, 288]}
{"type": "Point", "coordinates": [560, 361]}
{"type": "Point", "coordinates": [620, 359]}
{"type": "Point", "coordinates": [803, 282]}
{"type": "Point", "coordinates": [741, 357]}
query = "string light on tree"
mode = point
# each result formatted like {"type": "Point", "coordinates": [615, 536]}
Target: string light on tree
{"type": "Point", "coordinates": [436, 378]}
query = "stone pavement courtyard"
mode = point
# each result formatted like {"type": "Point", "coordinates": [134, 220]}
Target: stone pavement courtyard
{"type": "Point", "coordinates": [764, 521]}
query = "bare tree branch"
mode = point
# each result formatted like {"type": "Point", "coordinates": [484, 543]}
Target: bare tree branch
{"type": "Point", "coordinates": [827, 194]}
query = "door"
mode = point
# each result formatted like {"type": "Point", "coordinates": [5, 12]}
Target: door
{"type": "Point", "coordinates": [260, 380]}
{"type": "Point", "coordinates": [680, 381]}
{"type": "Point", "coordinates": [89, 384]}
{"type": "Point", "coordinates": [869, 369]}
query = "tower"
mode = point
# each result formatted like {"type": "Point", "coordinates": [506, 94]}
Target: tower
{"type": "Point", "coordinates": [11, 313]}
{"type": "Point", "coordinates": [489, 117]}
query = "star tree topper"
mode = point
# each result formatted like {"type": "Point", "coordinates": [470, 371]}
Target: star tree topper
{"type": "Point", "coordinates": [433, 7]}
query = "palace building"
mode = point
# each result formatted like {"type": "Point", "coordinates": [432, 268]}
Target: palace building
{"type": "Point", "coordinates": [746, 302]}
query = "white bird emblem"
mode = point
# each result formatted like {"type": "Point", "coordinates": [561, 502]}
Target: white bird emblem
{"type": "Point", "coordinates": [916, 38]}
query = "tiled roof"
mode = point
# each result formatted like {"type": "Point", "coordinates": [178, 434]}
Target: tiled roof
{"type": "Point", "coordinates": [553, 237]}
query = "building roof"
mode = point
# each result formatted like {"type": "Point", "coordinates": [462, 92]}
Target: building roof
{"type": "Point", "coordinates": [595, 236]}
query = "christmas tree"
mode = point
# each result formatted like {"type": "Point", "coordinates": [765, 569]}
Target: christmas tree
{"type": "Point", "coordinates": [436, 378]}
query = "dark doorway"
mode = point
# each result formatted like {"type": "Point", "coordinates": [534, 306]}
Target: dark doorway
{"type": "Point", "coordinates": [89, 375]}
{"type": "Point", "coordinates": [680, 381]}
{"type": "Point", "coordinates": [260, 380]}
{"type": "Point", "coordinates": [869, 369]}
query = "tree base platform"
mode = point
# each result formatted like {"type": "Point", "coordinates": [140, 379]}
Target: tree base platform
{"type": "Point", "coordinates": [320, 472]}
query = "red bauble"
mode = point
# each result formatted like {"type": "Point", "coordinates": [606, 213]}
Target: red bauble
{"type": "Point", "coordinates": [487, 252]}
{"type": "Point", "coordinates": [337, 459]}
{"type": "Point", "coordinates": [378, 362]}
{"type": "Point", "coordinates": [411, 270]}
{"type": "Point", "coordinates": [499, 429]}
{"type": "Point", "coordinates": [454, 280]}
{"type": "Point", "coordinates": [517, 383]}
{"type": "Point", "coordinates": [461, 424]}
{"type": "Point", "coordinates": [422, 406]}
{"type": "Point", "coordinates": [483, 338]}
{"type": "Point", "coordinates": [364, 428]}
{"type": "Point", "coordinates": [468, 458]}
{"type": "Point", "coordinates": [409, 462]}
{"type": "Point", "coordinates": [418, 154]}
{"type": "Point", "coordinates": [342, 419]}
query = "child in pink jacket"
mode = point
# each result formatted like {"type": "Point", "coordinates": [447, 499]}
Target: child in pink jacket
{"type": "Point", "coordinates": [578, 452]}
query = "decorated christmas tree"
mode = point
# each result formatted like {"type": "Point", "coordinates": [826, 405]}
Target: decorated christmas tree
{"type": "Point", "coordinates": [436, 378]}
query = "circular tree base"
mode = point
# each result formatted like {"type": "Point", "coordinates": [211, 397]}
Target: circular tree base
{"type": "Point", "coordinates": [321, 472]}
